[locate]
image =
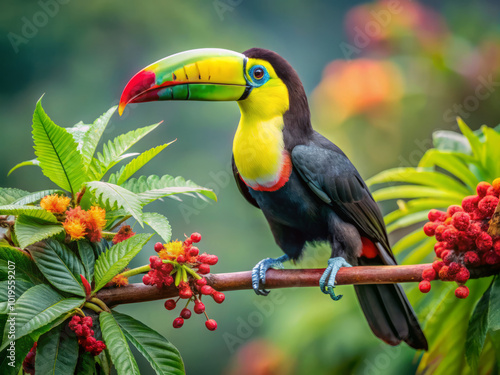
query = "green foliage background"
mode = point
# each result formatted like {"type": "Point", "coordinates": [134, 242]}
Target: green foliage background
{"type": "Point", "coordinates": [82, 58]}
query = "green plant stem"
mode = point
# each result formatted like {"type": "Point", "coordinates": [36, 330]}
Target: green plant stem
{"type": "Point", "coordinates": [108, 234]}
{"type": "Point", "coordinates": [93, 307]}
{"type": "Point", "coordinates": [192, 273]}
{"type": "Point", "coordinates": [99, 303]}
{"type": "Point", "coordinates": [136, 271]}
{"type": "Point", "coordinates": [121, 222]}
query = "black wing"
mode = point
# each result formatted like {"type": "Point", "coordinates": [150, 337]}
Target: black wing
{"type": "Point", "coordinates": [241, 185]}
{"type": "Point", "coordinates": [334, 179]}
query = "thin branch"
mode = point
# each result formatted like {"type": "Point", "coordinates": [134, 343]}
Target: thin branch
{"type": "Point", "coordinates": [281, 279]}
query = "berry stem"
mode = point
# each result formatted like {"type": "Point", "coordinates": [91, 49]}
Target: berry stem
{"type": "Point", "coordinates": [193, 273]}
{"type": "Point", "coordinates": [100, 303]}
{"type": "Point", "coordinates": [93, 307]}
{"type": "Point", "coordinates": [136, 271]}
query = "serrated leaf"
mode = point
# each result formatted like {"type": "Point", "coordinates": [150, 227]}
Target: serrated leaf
{"type": "Point", "coordinates": [59, 265]}
{"type": "Point", "coordinates": [85, 365]}
{"type": "Point", "coordinates": [23, 164]}
{"type": "Point", "coordinates": [38, 306]}
{"type": "Point", "coordinates": [116, 195]}
{"type": "Point", "coordinates": [113, 150]}
{"type": "Point", "coordinates": [31, 211]}
{"type": "Point", "coordinates": [78, 131]}
{"type": "Point", "coordinates": [159, 223]}
{"type": "Point", "coordinates": [23, 262]}
{"type": "Point", "coordinates": [135, 165]}
{"type": "Point", "coordinates": [154, 187]}
{"type": "Point", "coordinates": [10, 291]}
{"type": "Point", "coordinates": [161, 354]}
{"type": "Point", "coordinates": [56, 353]}
{"type": "Point", "coordinates": [35, 197]}
{"type": "Point", "coordinates": [30, 230]}
{"type": "Point", "coordinates": [476, 331]}
{"type": "Point", "coordinates": [87, 257]}
{"type": "Point", "coordinates": [56, 150]}
{"type": "Point", "coordinates": [9, 195]}
{"type": "Point", "coordinates": [117, 345]}
{"type": "Point", "coordinates": [110, 263]}
{"type": "Point", "coordinates": [93, 135]}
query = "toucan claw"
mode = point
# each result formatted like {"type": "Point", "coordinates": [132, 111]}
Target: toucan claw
{"type": "Point", "coordinates": [334, 264]}
{"type": "Point", "coordinates": [260, 269]}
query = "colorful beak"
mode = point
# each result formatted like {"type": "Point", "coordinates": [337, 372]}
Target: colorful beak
{"type": "Point", "coordinates": [200, 74]}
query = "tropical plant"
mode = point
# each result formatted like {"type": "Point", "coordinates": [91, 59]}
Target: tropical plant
{"type": "Point", "coordinates": [444, 176]}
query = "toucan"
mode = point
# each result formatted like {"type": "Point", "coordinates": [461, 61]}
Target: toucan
{"type": "Point", "coordinates": [306, 187]}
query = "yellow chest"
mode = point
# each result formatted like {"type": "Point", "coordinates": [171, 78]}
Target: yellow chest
{"type": "Point", "coordinates": [258, 150]}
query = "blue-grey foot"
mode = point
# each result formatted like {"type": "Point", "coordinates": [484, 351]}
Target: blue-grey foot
{"type": "Point", "coordinates": [260, 269]}
{"type": "Point", "coordinates": [330, 273]}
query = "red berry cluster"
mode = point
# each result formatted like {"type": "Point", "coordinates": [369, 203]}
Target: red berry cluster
{"type": "Point", "coordinates": [83, 329]}
{"type": "Point", "coordinates": [463, 239]}
{"type": "Point", "coordinates": [29, 361]}
{"type": "Point", "coordinates": [172, 261]}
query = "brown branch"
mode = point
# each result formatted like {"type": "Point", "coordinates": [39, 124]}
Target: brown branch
{"type": "Point", "coordinates": [282, 279]}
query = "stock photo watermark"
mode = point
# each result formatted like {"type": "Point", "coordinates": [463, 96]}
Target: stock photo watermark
{"type": "Point", "coordinates": [223, 6]}
{"type": "Point", "coordinates": [30, 26]}
{"type": "Point", "coordinates": [11, 321]}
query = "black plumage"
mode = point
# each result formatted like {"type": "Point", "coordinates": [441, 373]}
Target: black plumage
{"type": "Point", "coordinates": [325, 199]}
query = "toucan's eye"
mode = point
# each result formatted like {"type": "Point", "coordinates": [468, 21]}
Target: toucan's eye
{"type": "Point", "coordinates": [258, 73]}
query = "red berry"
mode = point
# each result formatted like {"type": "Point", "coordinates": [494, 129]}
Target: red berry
{"type": "Point", "coordinates": [219, 297]}
{"type": "Point", "coordinates": [436, 215]}
{"type": "Point", "coordinates": [496, 246]}
{"type": "Point", "coordinates": [448, 257]}
{"type": "Point", "coordinates": [178, 322]}
{"type": "Point", "coordinates": [207, 290]}
{"type": "Point", "coordinates": [487, 205]}
{"type": "Point", "coordinates": [212, 260]}
{"type": "Point", "coordinates": [443, 273]}
{"type": "Point", "coordinates": [87, 321]}
{"type": "Point", "coordinates": [146, 279]}
{"type": "Point", "coordinates": [201, 282]}
{"type": "Point", "coordinates": [482, 188]}
{"type": "Point", "coordinates": [186, 293]}
{"type": "Point", "coordinates": [170, 304]}
{"type": "Point", "coordinates": [196, 237]}
{"type": "Point", "coordinates": [430, 228]}
{"type": "Point", "coordinates": [158, 247]}
{"type": "Point", "coordinates": [187, 242]}
{"type": "Point", "coordinates": [181, 259]}
{"type": "Point", "coordinates": [450, 236]}
{"type": "Point", "coordinates": [491, 258]}
{"type": "Point", "coordinates": [472, 259]}
{"type": "Point", "coordinates": [204, 269]}
{"type": "Point", "coordinates": [462, 292]}
{"type": "Point", "coordinates": [454, 209]}
{"type": "Point", "coordinates": [155, 262]}
{"type": "Point", "coordinates": [453, 268]}
{"type": "Point", "coordinates": [429, 274]}
{"type": "Point", "coordinates": [199, 307]}
{"type": "Point", "coordinates": [424, 286]}
{"type": "Point", "coordinates": [439, 232]}
{"type": "Point", "coordinates": [496, 185]}
{"type": "Point", "coordinates": [469, 204]}
{"type": "Point", "coordinates": [462, 276]}
{"type": "Point", "coordinates": [194, 251]}
{"type": "Point", "coordinates": [437, 265]}
{"type": "Point", "coordinates": [460, 220]}
{"type": "Point", "coordinates": [484, 242]}
{"type": "Point", "coordinates": [211, 324]}
{"type": "Point", "coordinates": [185, 313]}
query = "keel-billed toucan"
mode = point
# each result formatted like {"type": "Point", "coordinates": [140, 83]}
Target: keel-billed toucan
{"type": "Point", "coordinates": [305, 185]}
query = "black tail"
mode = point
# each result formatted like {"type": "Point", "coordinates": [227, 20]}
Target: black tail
{"type": "Point", "coordinates": [389, 313]}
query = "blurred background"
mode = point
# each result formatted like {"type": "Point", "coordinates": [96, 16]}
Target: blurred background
{"type": "Point", "coordinates": [381, 77]}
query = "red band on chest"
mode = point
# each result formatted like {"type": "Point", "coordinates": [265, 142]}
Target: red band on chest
{"type": "Point", "coordinates": [286, 171]}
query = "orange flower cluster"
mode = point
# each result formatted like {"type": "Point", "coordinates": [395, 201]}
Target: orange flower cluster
{"type": "Point", "coordinates": [123, 234]}
{"type": "Point", "coordinates": [120, 280]}
{"type": "Point", "coordinates": [80, 223]}
{"type": "Point", "coordinates": [55, 203]}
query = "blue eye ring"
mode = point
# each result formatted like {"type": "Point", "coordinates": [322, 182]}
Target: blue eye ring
{"type": "Point", "coordinates": [258, 74]}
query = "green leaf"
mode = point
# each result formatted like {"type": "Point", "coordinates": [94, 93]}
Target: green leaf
{"type": "Point", "coordinates": [476, 332]}
{"type": "Point", "coordinates": [153, 187]}
{"type": "Point", "coordinates": [9, 195]}
{"type": "Point", "coordinates": [409, 241]}
{"type": "Point", "coordinates": [113, 151]}
{"type": "Point", "coordinates": [110, 263]}
{"type": "Point", "coordinates": [93, 135]}
{"type": "Point", "coordinates": [161, 354]}
{"type": "Point", "coordinates": [85, 365]}
{"type": "Point", "coordinates": [30, 230]}
{"type": "Point", "coordinates": [117, 345]}
{"type": "Point", "coordinates": [494, 310]}
{"type": "Point", "coordinates": [12, 289]}
{"type": "Point", "coordinates": [116, 195]}
{"type": "Point", "coordinates": [491, 155]}
{"type": "Point", "coordinates": [59, 265]}
{"type": "Point", "coordinates": [35, 197]}
{"type": "Point", "coordinates": [451, 141]}
{"type": "Point", "coordinates": [32, 211]}
{"type": "Point", "coordinates": [412, 191]}
{"type": "Point", "coordinates": [408, 220]}
{"type": "Point", "coordinates": [420, 252]}
{"type": "Point", "coordinates": [24, 264]}
{"type": "Point", "coordinates": [417, 205]}
{"type": "Point", "coordinates": [78, 131]}
{"type": "Point", "coordinates": [136, 164]}
{"type": "Point", "coordinates": [87, 257]}
{"type": "Point", "coordinates": [37, 307]}
{"type": "Point", "coordinates": [159, 223]}
{"type": "Point", "coordinates": [474, 142]}
{"type": "Point", "coordinates": [23, 164]}
{"type": "Point", "coordinates": [450, 162]}
{"type": "Point", "coordinates": [56, 352]}
{"type": "Point", "coordinates": [23, 346]}
{"type": "Point", "coordinates": [57, 153]}
{"type": "Point", "coordinates": [421, 177]}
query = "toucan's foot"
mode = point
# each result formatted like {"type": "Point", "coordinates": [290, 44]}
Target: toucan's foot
{"type": "Point", "coordinates": [334, 264]}
{"type": "Point", "coordinates": [260, 269]}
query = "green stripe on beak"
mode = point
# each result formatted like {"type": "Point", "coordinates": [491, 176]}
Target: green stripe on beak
{"type": "Point", "coordinates": [200, 74]}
